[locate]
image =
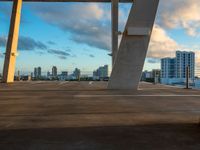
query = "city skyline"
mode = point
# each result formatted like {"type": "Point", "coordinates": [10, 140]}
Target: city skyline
{"type": "Point", "coordinates": [65, 46]}
{"type": "Point", "coordinates": [38, 71]}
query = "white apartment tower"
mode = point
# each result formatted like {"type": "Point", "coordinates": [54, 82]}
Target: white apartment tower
{"type": "Point", "coordinates": [184, 59]}
{"type": "Point", "coordinates": [173, 70]}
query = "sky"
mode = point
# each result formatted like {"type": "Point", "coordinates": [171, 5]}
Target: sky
{"type": "Point", "coordinates": [70, 35]}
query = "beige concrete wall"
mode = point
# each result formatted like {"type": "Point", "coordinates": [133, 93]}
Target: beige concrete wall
{"type": "Point", "coordinates": [115, 10]}
{"type": "Point", "coordinates": [131, 55]}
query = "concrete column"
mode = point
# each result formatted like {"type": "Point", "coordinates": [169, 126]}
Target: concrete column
{"type": "Point", "coordinates": [129, 61]}
{"type": "Point", "coordinates": [114, 29]}
{"type": "Point", "coordinates": [12, 43]}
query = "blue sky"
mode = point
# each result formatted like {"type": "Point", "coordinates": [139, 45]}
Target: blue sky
{"type": "Point", "coordinates": [61, 34]}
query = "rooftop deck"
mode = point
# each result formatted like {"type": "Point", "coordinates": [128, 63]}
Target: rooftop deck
{"type": "Point", "coordinates": [84, 115]}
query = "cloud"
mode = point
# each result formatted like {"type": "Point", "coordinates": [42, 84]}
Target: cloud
{"type": "Point", "coordinates": [62, 57]}
{"type": "Point", "coordinates": [92, 56]}
{"type": "Point", "coordinates": [87, 24]}
{"type": "Point", "coordinates": [161, 45]}
{"type": "Point", "coordinates": [3, 41]}
{"type": "Point", "coordinates": [90, 24]}
{"type": "Point", "coordinates": [1, 55]}
{"type": "Point", "coordinates": [51, 43]}
{"type": "Point", "coordinates": [184, 14]}
{"type": "Point", "coordinates": [93, 26]}
{"type": "Point", "coordinates": [27, 43]}
{"type": "Point", "coordinates": [6, 8]}
{"type": "Point", "coordinates": [153, 60]}
{"type": "Point", "coordinates": [59, 53]}
{"type": "Point", "coordinates": [68, 50]}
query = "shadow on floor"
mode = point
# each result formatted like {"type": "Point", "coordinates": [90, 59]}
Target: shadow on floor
{"type": "Point", "coordinates": [141, 137]}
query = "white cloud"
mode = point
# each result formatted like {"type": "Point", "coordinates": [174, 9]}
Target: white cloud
{"type": "Point", "coordinates": [90, 24]}
{"type": "Point", "coordinates": [180, 14]}
{"type": "Point", "coordinates": [161, 45]}
{"type": "Point", "coordinates": [86, 23]}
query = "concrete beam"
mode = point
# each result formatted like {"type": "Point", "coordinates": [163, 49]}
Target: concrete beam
{"type": "Point", "coordinates": [132, 51]}
{"type": "Point", "coordinates": [12, 43]}
{"type": "Point", "coordinates": [95, 1]}
{"type": "Point", "coordinates": [115, 10]}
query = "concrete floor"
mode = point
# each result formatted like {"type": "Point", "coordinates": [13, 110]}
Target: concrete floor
{"type": "Point", "coordinates": [86, 116]}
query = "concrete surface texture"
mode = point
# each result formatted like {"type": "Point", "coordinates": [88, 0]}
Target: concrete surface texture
{"type": "Point", "coordinates": [85, 116]}
{"type": "Point", "coordinates": [115, 19]}
{"type": "Point", "coordinates": [132, 51]}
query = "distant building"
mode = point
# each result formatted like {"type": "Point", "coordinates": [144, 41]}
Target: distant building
{"type": "Point", "coordinates": [173, 70]}
{"type": "Point", "coordinates": [18, 76]}
{"type": "Point", "coordinates": [184, 59]}
{"type": "Point", "coordinates": [48, 74]}
{"type": "Point", "coordinates": [101, 73]}
{"type": "Point", "coordinates": [0, 76]}
{"type": "Point", "coordinates": [26, 78]}
{"type": "Point", "coordinates": [77, 74]}
{"type": "Point", "coordinates": [156, 73]}
{"type": "Point", "coordinates": [37, 72]}
{"type": "Point", "coordinates": [95, 75]}
{"type": "Point", "coordinates": [63, 76]}
{"type": "Point", "coordinates": [168, 68]}
{"type": "Point", "coordinates": [54, 71]}
{"type": "Point", "coordinates": [32, 75]}
{"type": "Point", "coordinates": [146, 75]}
{"type": "Point", "coordinates": [151, 76]}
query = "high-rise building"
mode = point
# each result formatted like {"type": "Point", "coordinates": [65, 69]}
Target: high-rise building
{"type": "Point", "coordinates": [151, 76]}
{"type": "Point", "coordinates": [184, 60]}
{"type": "Point", "coordinates": [32, 75]}
{"type": "Point", "coordinates": [64, 73]}
{"type": "Point", "coordinates": [156, 73]}
{"type": "Point", "coordinates": [168, 68]}
{"type": "Point", "coordinates": [0, 76]}
{"type": "Point", "coordinates": [48, 74]}
{"type": "Point", "coordinates": [63, 76]}
{"type": "Point", "coordinates": [54, 71]}
{"type": "Point", "coordinates": [105, 71]}
{"type": "Point", "coordinates": [101, 72]}
{"type": "Point", "coordinates": [77, 73]}
{"type": "Point", "coordinates": [173, 70]}
{"type": "Point", "coordinates": [37, 72]}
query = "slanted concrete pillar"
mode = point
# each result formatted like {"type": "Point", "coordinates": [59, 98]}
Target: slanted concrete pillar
{"type": "Point", "coordinates": [114, 29]}
{"type": "Point", "coordinates": [11, 49]}
{"type": "Point", "coordinates": [132, 51]}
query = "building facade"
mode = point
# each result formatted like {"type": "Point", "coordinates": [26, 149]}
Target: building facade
{"type": "Point", "coordinates": [184, 59]}
{"type": "Point", "coordinates": [54, 71]}
{"type": "Point", "coordinates": [173, 70]}
{"type": "Point", "coordinates": [77, 74]}
{"type": "Point", "coordinates": [168, 68]}
{"type": "Point", "coordinates": [101, 73]}
{"type": "Point", "coordinates": [37, 72]}
{"type": "Point", "coordinates": [63, 76]}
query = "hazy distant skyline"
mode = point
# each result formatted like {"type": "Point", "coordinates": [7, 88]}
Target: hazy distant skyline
{"type": "Point", "coordinates": [71, 35]}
